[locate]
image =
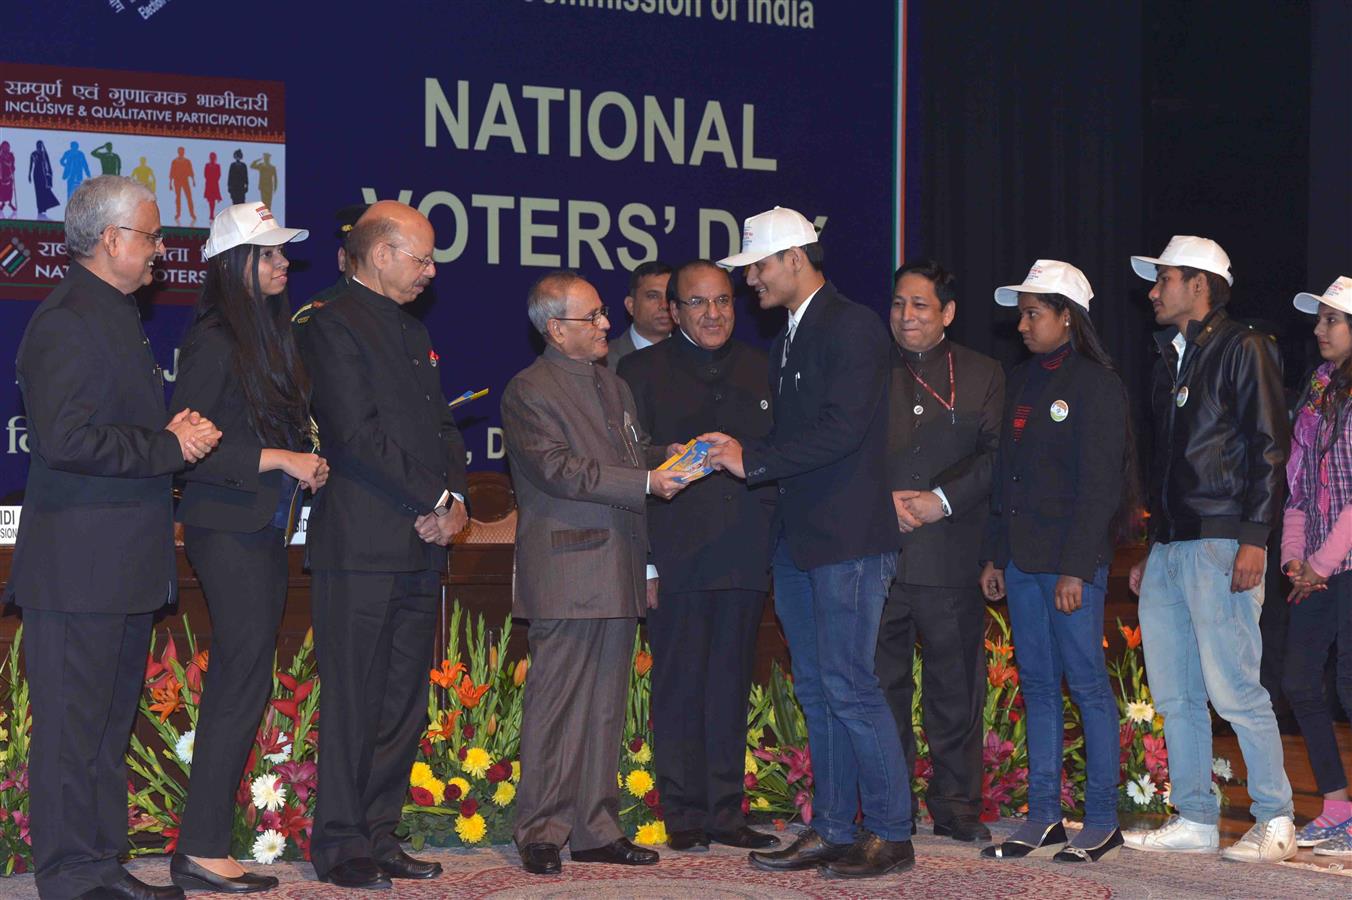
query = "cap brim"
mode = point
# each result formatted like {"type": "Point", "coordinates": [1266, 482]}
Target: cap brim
{"type": "Point", "coordinates": [1007, 296]}
{"type": "Point", "coordinates": [738, 260]}
{"type": "Point", "coordinates": [1145, 266]}
{"type": "Point", "coordinates": [274, 236]}
{"type": "Point", "coordinates": [1307, 303]}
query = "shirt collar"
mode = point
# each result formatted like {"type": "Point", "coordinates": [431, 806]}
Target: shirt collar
{"type": "Point", "coordinates": [639, 340]}
{"type": "Point", "coordinates": [796, 316]}
{"type": "Point", "coordinates": [373, 298]}
{"type": "Point", "coordinates": [91, 282]}
{"type": "Point", "coordinates": [555, 356]}
{"type": "Point", "coordinates": [924, 356]}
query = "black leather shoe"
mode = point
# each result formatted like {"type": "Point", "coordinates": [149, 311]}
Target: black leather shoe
{"type": "Point", "coordinates": [400, 865]}
{"type": "Point", "coordinates": [130, 888]}
{"type": "Point", "coordinates": [809, 850]}
{"type": "Point", "coordinates": [621, 852]}
{"type": "Point", "coordinates": [1106, 850]}
{"type": "Point", "coordinates": [690, 840]}
{"type": "Point", "coordinates": [361, 872]}
{"type": "Point", "coordinates": [1052, 840]}
{"type": "Point", "coordinates": [870, 857]}
{"type": "Point", "coordinates": [746, 837]}
{"type": "Point", "coordinates": [964, 828]}
{"type": "Point", "coordinates": [188, 874]}
{"type": "Point", "coordinates": [541, 859]}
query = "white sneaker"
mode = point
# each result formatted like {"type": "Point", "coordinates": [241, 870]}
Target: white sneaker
{"type": "Point", "coordinates": [1177, 835]}
{"type": "Point", "coordinates": [1270, 841]}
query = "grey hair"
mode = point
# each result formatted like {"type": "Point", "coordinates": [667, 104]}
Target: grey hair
{"type": "Point", "coordinates": [547, 299]}
{"type": "Point", "coordinates": [96, 204]}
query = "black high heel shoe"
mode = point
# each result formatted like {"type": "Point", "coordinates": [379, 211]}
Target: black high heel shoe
{"type": "Point", "coordinates": [185, 872]}
{"type": "Point", "coordinates": [1052, 840]}
{"type": "Point", "coordinates": [1105, 850]}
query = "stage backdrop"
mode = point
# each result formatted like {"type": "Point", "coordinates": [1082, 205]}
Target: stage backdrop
{"type": "Point", "coordinates": [535, 134]}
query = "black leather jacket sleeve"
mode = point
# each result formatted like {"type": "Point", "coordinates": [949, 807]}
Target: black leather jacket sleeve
{"type": "Point", "coordinates": [1255, 372]}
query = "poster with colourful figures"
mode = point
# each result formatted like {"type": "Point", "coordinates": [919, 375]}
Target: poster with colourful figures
{"type": "Point", "coordinates": [199, 144]}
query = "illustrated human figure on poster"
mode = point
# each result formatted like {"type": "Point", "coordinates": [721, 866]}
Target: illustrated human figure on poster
{"type": "Point", "coordinates": [267, 177]}
{"type": "Point", "coordinates": [144, 174]}
{"type": "Point", "coordinates": [7, 179]}
{"type": "Point", "coordinates": [40, 176]}
{"type": "Point", "coordinates": [110, 161]}
{"type": "Point", "coordinates": [74, 167]}
{"type": "Point", "coordinates": [237, 181]}
{"type": "Point", "coordinates": [211, 178]}
{"type": "Point", "coordinates": [182, 179]}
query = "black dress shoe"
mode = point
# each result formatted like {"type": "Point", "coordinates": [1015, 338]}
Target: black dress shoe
{"type": "Point", "coordinates": [690, 840]}
{"type": "Point", "coordinates": [963, 828]}
{"type": "Point", "coordinates": [1052, 840]}
{"type": "Point", "coordinates": [746, 837]}
{"type": "Point", "coordinates": [870, 857]}
{"type": "Point", "coordinates": [809, 850]}
{"type": "Point", "coordinates": [541, 859]}
{"type": "Point", "coordinates": [361, 872]}
{"type": "Point", "coordinates": [129, 887]}
{"type": "Point", "coordinates": [188, 874]}
{"type": "Point", "coordinates": [400, 865]}
{"type": "Point", "coordinates": [621, 852]}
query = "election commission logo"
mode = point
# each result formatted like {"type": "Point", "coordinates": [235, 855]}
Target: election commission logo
{"type": "Point", "coordinates": [13, 257]}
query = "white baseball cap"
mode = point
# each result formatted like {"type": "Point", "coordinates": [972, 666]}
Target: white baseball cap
{"type": "Point", "coordinates": [1338, 295]}
{"type": "Point", "coordinates": [770, 232]}
{"type": "Point", "coordinates": [1049, 276]}
{"type": "Point", "coordinates": [248, 223]}
{"type": "Point", "coordinates": [1186, 250]}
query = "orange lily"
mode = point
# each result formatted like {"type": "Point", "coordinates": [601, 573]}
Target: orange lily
{"type": "Point", "coordinates": [1004, 650]}
{"type": "Point", "coordinates": [519, 676]}
{"type": "Point", "coordinates": [469, 694]}
{"type": "Point", "coordinates": [446, 675]}
{"type": "Point", "coordinates": [167, 698]}
{"type": "Point", "coordinates": [444, 727]}
{"type": "Point", "coordinates": [1001, 672]}
{"type": "Point", "coordinates": [643, 663]}
{"type": "Point", "coordinates": [1133, 636]}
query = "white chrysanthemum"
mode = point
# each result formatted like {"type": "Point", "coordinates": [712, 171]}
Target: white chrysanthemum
{"type": "Point", "coordinates": [1216, 789]}
{"type": "Point", "coordinates": [268, 792]}
{"type": "Point", "coordinates": [1221, 769]}
{"type": "Point", "coordinates": [184, 745]}
{"type": "Point", "coordinates": [1139, 712]}
{"type": "Point", "coordinates": [280, 756]}
{"type": "Point", "coordinates": [1141, 790]}
{"type": "Point", "coordinates": [269, 847]}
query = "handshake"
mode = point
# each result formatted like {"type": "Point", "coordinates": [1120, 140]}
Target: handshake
{"type": "Point", "coordinates": [196, 434]}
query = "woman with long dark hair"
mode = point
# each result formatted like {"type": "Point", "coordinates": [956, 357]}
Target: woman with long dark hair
{"type": "Point", "coordinates": [40, 176]}
{"type": "Point", "coordinates": [1317, 557]}
{"type": "Point", "coordinates": [239, 366]}
{"type": "Point", "coordinates": [1061, 494]}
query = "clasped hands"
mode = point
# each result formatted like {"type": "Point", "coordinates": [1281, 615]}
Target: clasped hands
{"type": "Point", "coordinates": [439, 530]}
{"type": "Point", "coordinates": [196, 434]}
{"type": "Point", "coordinates": [1304, 580]}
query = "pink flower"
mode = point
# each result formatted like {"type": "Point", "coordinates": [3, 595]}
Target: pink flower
{"type": "Point", "coordinates": [301, 776]}
{"type": "Point", "coordinates": [803, 800]}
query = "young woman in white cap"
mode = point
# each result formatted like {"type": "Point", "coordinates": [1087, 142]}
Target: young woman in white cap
{"type": "Point", "coordinates": [240, 366]}
{"type": "Point", "coordinates": [1317, 557]}
{"type": "Point", "coordinates": [1062, 491]}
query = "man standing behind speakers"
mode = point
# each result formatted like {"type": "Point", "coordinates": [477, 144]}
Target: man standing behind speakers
{"type": "Point", "coordinates": [711, 549]}
{"type": "Point", "coordinates": [647, 306]}
{"type": "Point", "coordinates": [943, 432]}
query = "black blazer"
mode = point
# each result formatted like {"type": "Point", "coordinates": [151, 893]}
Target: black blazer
{"type": "Point", "coordinates": [224, 491]}
{"type": "Point", "coordinates": [932, 450]}
{"type": "Point", "coordinates": [384, 427]}
{"type": "Point", "coordinates": [97, 531]}
{"type": "Point", "coordinates": [1054, 493]}
{"type": "Point", "coordinates": [828, 448]}
{"type": "Point", "coordinates": [714, 535]}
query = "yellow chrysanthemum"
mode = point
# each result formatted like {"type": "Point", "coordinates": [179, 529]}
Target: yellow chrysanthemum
{"type": "Point", "coordinates": [421, 774]}
{"type": "Point", "coordinates": [462, 784]}
{"type": "Point", "coordinates": [638, 783]}
{"type": "Point", "coordinates": [654, 834]}
{"type": "Point", "coordinates": [760, 803]}
{"type": "Point", "coordinates": [751, 767]}
{"type": "Point", "coordinates": [505, 793]}
{"type": "Point", "coordinates": [476, 761]}
{"type": "Point", "coordinates": [516, 770]}
{"type": "Point", "coordinates": [643, 756]}
{"type": "Point", "coordinates": [437, 789]}
{"type": "Point", "coordinates": [471, 829]}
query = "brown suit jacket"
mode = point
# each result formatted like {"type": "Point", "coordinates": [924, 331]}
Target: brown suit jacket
{"type": "Point", "coordinates": [580, 477]}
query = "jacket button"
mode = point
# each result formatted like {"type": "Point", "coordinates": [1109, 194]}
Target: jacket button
{"type": "Point", "coordinates": [783, 490]}
{"type": "Point", "coordinates": [915, 451]}
{"type": "Point", "coordinates": [727, 497]}
{"type": "Point", "coordinates": [1014, 478]}
{"type": "Point", "coordinates": [915, 476]}
{"type": "Point", "coordinates": [1013, 512]}
{"type": "Point", "coordinates": [428, 396]}
{"type": "Point", "coordinates": [415, 360]}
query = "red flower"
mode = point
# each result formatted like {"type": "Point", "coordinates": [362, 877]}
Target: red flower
{"type": "Point", "coordinates": [301, 776]}
{"type": "Point", "coordinates": [746, 806]}
{"type": "Point", "coordinates": [422, 796]}
{"type": "Point", "coordinates": [749, 781]}
{"type": "Point", "coordinates": [469, 807]}
{"type": "Point", "coordinates": [468, 731]}
{"type": "Point", "coordinates": [803, 800]}
{"type": "Point", "coordinates": [1014, 716]}
{"type": "Point", "coordinates": [636, 745]}
{"type": "Point", "coordinates": [658, 813]}
{"type": "Point", "coordinates": [650, 799]}
{"type": "Point", "coordinates": [1156, 758]}
{"type": "Point", "coordinates": [452, 792]}
{"type": "Point", "coordinates": [1125, 734]}
{"type": "Point", "coordinates": [463, 752]}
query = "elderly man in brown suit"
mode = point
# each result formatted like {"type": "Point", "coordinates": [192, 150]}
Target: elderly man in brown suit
{"type": "Point", "coordinates": [581, 469]}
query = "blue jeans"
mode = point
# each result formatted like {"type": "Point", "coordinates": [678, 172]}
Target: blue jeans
{"type": "Point", "coordinates": [1202, 642]}
{"type": "Point", "coordinates": [830, 615]}
{"type": "Point", "coordinates": [1049, 644]}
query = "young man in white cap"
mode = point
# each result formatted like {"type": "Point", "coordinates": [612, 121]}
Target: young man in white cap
{"type": "Point", "coordinates": [835, 540]}
{"type": "Point", "coordinates": [1221, 441]}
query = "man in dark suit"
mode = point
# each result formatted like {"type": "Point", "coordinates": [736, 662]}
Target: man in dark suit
{"type": "Point", "coordinates": [943, 433]}
{"type": "Point", "coordinates": [836, 538]}
{"type": "Point", "coordinates": [646, 303]}
{"type": "Point", "coordinates": [581, 470]}
{"type": "Point", "coordinates": [376, 541]}
{"type": "Point", "coordinates": [95, 551]}
{"type": "Point", "coordinates": [711, 549]}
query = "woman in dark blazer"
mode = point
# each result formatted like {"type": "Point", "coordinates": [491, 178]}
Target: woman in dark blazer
{"type": "Point", "coordinates": [1061, 489]}
{"type": "Point", "coordinates": [239, 366]}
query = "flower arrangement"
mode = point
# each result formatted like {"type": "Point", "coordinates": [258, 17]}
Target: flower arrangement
{"type": "Point", "coordinates": [16, 847]}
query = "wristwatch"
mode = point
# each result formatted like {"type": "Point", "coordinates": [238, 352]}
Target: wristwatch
{"type": "Point", "coordinates": [441, 508]}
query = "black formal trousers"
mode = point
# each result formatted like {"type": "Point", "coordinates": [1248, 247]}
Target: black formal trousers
{"type": "Point", "coordinates": [244, 578]}
{"type": "Point", "coordinates": [951, 625]}
{"type": "Point", "coordinates": [85, 672]}
{"type": "Point", "coordinates": [571, 727]}
{"type": "Point", "coordinates": [704, 649]}
{"type": "Point", "coordinates": [374, 637]}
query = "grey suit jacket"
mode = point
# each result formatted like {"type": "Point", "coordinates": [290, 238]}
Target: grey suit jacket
{"type": "Point", "coordinates": [619, 348]}
{"type": "Point", "coordinates": [580, 477]}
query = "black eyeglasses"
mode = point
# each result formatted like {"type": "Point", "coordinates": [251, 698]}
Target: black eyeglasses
{"type": "Point", "coordinates": [722, 301]}
{"type": "Point", "coordinates": [599, 313]}
{"type": "Point", "coordinates": [156, 237]}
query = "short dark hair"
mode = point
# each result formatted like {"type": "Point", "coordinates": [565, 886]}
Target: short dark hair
{"type": "Point", "coordinates": [643, 270]}
{"type": "Point", "coordinates": [945, 284]}
{"type": "Point", "coordinates": [1219, 287]}
{"type": "Point", "coordinates": [815, 253]}
{"type": "Point", "coordinates": [674, 282]}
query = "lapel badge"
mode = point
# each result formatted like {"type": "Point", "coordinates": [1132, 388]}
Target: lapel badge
{"type": "Point", "coordinates": [1060, 409]}
{"type": "Point", "coordinates": [765, 404]}
{"type": "Point", "coordinates": [1181, 397]}
{"type": "Point", "coordinates": [432, 358]}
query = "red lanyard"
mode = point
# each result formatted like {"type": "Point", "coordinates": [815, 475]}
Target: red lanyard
{"type": "Point", "coordinates": [952, 384]}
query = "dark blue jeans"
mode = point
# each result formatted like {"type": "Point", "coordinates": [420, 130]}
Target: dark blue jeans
{"type": "Point", "coordinates": [1049, 644]}
{"type": "Point", "coordinates": [830, 615]}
